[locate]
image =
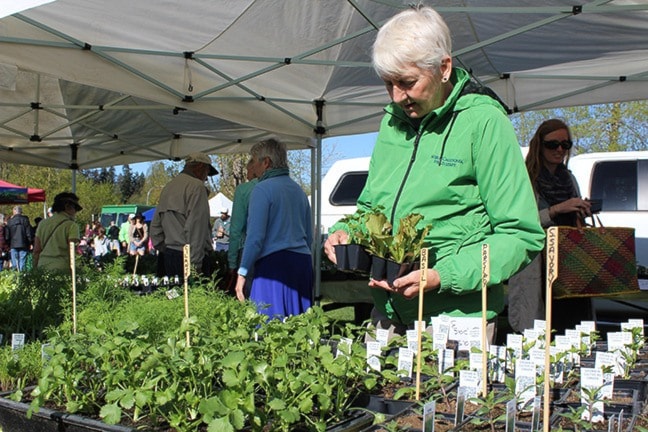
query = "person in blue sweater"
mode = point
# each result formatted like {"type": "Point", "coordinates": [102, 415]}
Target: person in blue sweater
{"type": "Point", "coordinates": [279, 237]}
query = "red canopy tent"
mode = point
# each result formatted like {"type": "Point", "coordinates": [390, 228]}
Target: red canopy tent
{"type": "Point", "coordinates": [14, 194]}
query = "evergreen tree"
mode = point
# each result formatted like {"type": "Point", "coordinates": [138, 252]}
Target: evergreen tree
{"type": "Point", "coordinates": [129, 183]}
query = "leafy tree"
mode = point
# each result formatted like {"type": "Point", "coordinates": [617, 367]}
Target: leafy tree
{"type": "Point", "coordinates": [232, 172]}
{"type": "Point", "coordinates": [595, 128]}
{"type": "Point", "coordinates": [157, 176]}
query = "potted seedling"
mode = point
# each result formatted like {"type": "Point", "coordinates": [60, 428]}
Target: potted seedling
{"type": "Point", "coordinates": [352, 256]}
{"type": "Point", "coordinates": [406, 246]}
{"type": "Point", "coordinates": [394, 254]}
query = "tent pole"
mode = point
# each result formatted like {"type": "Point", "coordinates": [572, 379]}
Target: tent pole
{"type": "Point", "coordinates": [74, 166]}
{"type": "Point", "coordinates": [316, 199]}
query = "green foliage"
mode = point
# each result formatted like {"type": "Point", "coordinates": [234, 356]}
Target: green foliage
{"type": "Point", "coordinates": [486, 413]}
{"type": "Point", "coordinates": [32, 301]}
{"type": "Point", "coordinates": [408, 240]}
{"type": "Point", "coordinates": [19, 368]}
{"type": "Point", "coordinates": [404, 246]}
{"type": "Point", "coordinates": [130, 359]}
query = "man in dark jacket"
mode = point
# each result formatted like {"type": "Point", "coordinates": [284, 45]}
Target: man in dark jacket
{"type": "Point", "coordinates": [19, 236]}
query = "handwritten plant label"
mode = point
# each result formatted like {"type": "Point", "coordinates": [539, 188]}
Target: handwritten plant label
{"type": "Point", "coordinates": [466, 331]}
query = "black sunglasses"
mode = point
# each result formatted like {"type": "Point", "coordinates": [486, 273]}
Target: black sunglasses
{"type": "Point", "coordinates": [554, 144]}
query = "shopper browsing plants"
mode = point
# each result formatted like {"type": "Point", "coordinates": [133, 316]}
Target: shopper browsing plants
{"type": "Point", "coordinates": [447, 151]}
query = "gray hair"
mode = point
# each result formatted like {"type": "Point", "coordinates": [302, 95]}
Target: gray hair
{"type": "Point", "coordinates": [417, 36]}
{"type": "Point", "coordinates": [272, 149]}
{"type": "Point", "coordinates": [17, 209]}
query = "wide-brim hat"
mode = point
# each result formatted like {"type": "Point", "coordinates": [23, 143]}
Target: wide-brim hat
{"type": "Point", "coordinates": [202, 158]}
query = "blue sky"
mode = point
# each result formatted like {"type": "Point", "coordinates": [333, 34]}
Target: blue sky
{"type": "Point", "coordinates": [346, 147]}
{"type": "Point", "coordinates": [351, 146]}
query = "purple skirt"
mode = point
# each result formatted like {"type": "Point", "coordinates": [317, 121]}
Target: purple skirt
{"type": "Point", "coordinates": [283, 284]}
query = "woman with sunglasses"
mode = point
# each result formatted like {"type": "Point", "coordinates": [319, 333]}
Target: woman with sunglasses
{"type": "Point", "coordinates": [559, 203]}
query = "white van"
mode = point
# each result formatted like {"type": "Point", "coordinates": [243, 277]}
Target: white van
{"type": "Point", "coordinates": [620, 181]}
{"type": "Point", "coordinates": [341, 187]}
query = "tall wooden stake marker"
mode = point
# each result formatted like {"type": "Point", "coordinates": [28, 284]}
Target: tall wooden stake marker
{"type": "Point", "coordinates": [485, 280]}
{"type": "Point", "coordinates": [421, 323]}
{"type": "Point", "coordinates": [552, 275]}
{"type": "Point", "coordinates": [186, 256]}
{"type": "Point", "coordinates": [73, 272]}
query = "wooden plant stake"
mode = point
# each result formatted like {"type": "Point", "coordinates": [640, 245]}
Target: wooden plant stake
{"type": "Point", "coordinates": [73, 272]}
{"type": "Point", "coordinates": [421, 323]}
{"type": "Point", "coordinates": [485, 280]}
{"type": "Point", "coordinates": [186, 256]}
{"type": "Point", "coordinates": [552, 275]}
{"type": "Point", "coordinates": [135, 267]}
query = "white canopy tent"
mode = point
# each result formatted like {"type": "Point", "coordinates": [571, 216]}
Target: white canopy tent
{"type": "Point", "coordinates": [299, 68]}
{"type": "Point", "coordinates": [219, 202]}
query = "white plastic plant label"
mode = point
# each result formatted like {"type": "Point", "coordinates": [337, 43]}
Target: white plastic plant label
{"type": "Point", "coordinates": [344, 347]}
{"type": "Point", "coordinates": [446, 362]}
{"type": "Point", "coordinates": [497, 363]}
{"type": "Point", "coordinates": [17, 341]}
{"type": "Point", "coordinates": [412, 340]}
{"type": "Point", "coordinates": [525, 388]}
{"type": "Point", "coordinates": [470, 382]}
{"type": "Point", "coordinates": [373, 355]}
{"type": "Point", "coordinates": [405, 361]}
{"type": "Point", "coordinates": [591, 384]}
{"type": "Point", "coordinates": [382, 336]}
{"type": "Point", "coordinates": [429, 412]}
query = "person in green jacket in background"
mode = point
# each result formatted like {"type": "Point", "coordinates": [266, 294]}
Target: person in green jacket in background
{"type": "Point", "coordinates": [124, 229]}
{"type": "Point", "coordinates": [446, 150]}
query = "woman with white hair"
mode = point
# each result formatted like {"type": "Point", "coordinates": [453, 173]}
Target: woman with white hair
{"type": "Point", "coordinates": [279, 237]}
{"type": "Point", "coordinates": [446, 150]}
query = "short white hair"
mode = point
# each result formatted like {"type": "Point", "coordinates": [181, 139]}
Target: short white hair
{"type": "Point", "coordinates": [417, 36]}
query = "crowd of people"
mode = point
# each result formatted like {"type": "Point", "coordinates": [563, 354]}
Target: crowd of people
{"type": "Point", "coordinates": [17, 239]}
{"type": "Point", "coordinates": [445, 149]}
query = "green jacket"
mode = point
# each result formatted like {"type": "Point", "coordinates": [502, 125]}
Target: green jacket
{"type": "Point", "coordinates": [463, 170]}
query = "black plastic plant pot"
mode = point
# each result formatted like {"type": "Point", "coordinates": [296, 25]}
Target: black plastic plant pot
{"type": "Point", "coordinates": [341, 257]}
{"type": "Point", "coordinates": [13, 418]}
{"type": "Point", "coordinates": [358, 259]}
{"type": "Point", "coordinates": [378, 267]}
{"type": "Point", "coordinates": [396, 270]}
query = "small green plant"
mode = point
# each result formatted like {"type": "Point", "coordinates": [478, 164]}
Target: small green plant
{"type": "Point", "coordinates": [489, 411]}
{"type": "Point", "coordinates": [378, 235]}
{"type": "Point", "coordinates": [355, 224]}
{"type": "Point", "coordinates": [403, 246]}
{"type": "Point", "coordinates": [630, 354]}
{"type": "Point", "coordinates": [591, 396]}
{"type": "Point", "coordinates": [408, 240]}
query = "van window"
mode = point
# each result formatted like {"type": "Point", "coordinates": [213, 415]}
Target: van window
{"type": "Point", "coordinates": [348, 188]}
{"type": "Point", "coordinates": [615, 184]}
